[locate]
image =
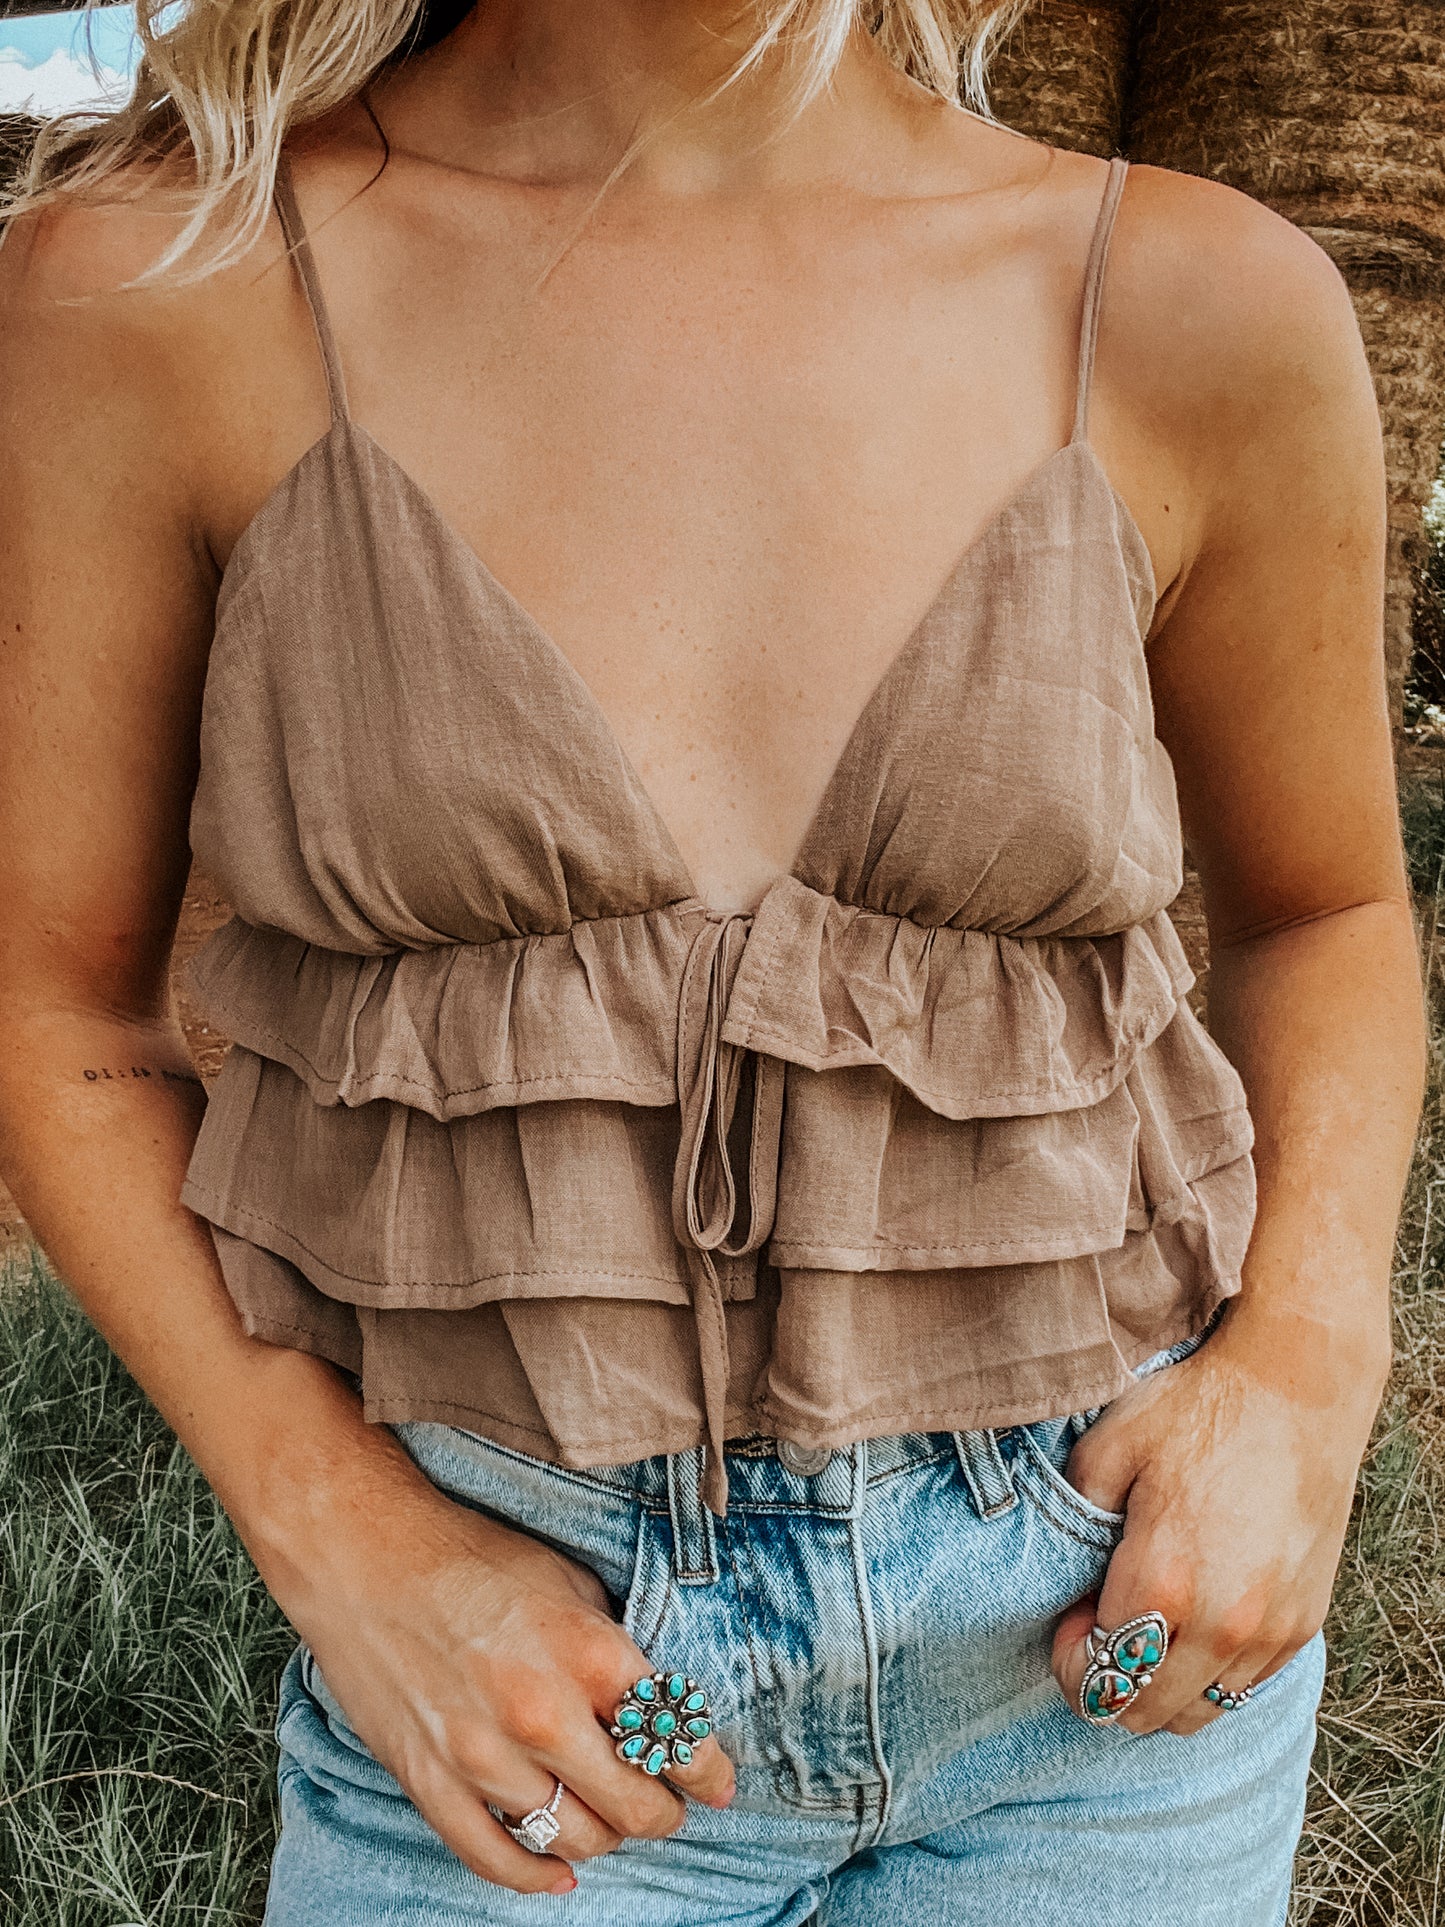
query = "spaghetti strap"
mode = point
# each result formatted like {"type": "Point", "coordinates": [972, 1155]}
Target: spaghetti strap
{"type": "Point", "coordinates": [299, 247]}
{"type": "Point", "coordinates": [1093, 292]}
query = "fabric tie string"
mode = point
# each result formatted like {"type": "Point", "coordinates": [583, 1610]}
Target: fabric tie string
{"type": "Point", "coordinates": [705, 1188]}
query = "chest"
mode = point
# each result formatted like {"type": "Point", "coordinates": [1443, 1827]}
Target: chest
{"type": "Point", "coordinates": [727, 479]}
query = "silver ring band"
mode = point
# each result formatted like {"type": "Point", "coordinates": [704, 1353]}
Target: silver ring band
{"type": "Point", "coordinates": [535, 1830]}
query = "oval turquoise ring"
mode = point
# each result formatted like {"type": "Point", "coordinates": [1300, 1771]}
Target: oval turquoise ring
{"type": "Point", "coordinates": [1121, 1664]}
{"type": "Point", "coordinates": [659, 1721]}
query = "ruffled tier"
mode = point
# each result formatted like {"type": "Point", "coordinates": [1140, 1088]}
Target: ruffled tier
{"type": "Point", "coordinates": [1031, 1140]}
{"type": "Point", "coordinates": [821, 1357]}
{"type": "Point", "coordinates": [873, 1180]}
{"type": "Point", "coordinates": [972, 1023]}
{"type": "Point", "coordinates": [588, 1012]}
{"type": "Point", "coordinates": [379, 1204]}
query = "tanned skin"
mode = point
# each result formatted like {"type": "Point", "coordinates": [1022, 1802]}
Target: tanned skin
{"type": "Point", "coordinates": [724, 436]}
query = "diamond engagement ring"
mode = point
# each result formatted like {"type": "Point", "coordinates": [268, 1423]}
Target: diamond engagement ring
{"type": "Point", "coordinates": [535, 1830]}
{"type": "Point", "coordinates": [659, 1720]}
{"type": "Point", "coordinates": [1121, 1664]}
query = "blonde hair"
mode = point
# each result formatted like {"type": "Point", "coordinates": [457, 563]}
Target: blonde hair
{"type": "Point", "coordinates": [221, 82]}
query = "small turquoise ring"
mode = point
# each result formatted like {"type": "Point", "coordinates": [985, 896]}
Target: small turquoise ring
{"type": "Point", "coordinates": [1121, 1664]}
{"type": "Point", "coordinates": [1226, 1700]}
{"type": "Point", "coordinates": [660, 1720]}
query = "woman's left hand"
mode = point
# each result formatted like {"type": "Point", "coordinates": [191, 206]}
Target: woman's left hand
{"type": "Point", "coordinates": [1236, 1469]}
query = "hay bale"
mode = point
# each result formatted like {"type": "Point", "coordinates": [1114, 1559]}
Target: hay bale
{"type": "Point", "coordinates": [1060, 76]}
{"type": "Point", "coordinates": [1404, 335]}
{"type": "Point", "coordinates": [1332, 112]}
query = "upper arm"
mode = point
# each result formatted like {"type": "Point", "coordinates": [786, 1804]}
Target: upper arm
{"type": "Point", "coordinates": [1267, 665]}
{"type": "Point", "coordinates": [106, 600]}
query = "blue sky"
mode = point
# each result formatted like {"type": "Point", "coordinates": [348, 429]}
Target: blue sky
{"type": "Point", "coordinates": [46, 63]}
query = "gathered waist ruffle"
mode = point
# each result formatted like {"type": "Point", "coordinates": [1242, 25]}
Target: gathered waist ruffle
{"type": "Point", "coordinates": [642, 1106]}
{"type": "Point", "coordinates": [973, 1024]}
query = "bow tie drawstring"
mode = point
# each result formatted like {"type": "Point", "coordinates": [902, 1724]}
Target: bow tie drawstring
{"type": "Point", "coordinates": [704, 1190]}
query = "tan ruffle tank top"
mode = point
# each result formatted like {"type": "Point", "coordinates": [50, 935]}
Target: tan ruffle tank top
{"type": "Point", "coordinates": [531, 1139]}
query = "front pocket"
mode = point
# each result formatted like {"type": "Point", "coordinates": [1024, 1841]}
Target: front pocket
{"type": "Point", "coordinates": [1046, 1488]}
{"type": "Point", "coordinates": [650, 1591]}
{"type": "Point", "coordinates": [1185, 1348]}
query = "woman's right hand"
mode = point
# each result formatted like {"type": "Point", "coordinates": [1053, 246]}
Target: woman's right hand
{"type": "Point", "coordinates": [476, 1665]}
{"type": "Point", "coordinates": [473, 1662]}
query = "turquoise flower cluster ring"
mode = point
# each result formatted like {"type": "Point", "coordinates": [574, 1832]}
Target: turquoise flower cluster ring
{"type": "Point", "coordinates": [659, 1721]}
{"type": "Point", "coordinates": [1121, 1664]}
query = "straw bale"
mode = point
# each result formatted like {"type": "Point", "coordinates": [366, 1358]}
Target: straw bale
{"type": "Point", "coordinates": [1334, 114]}
{"type": "Point", "coordinates": [1060, 76]}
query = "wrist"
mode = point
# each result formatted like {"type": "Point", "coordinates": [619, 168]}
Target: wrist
{"type": "Point", "coordinates": [326, 1504]}
{"type": "Point", "coordinates": [1317, 1359]}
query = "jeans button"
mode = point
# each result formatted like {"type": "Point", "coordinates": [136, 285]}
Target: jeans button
{"type": "Point", "coordinates": [806, 1461]}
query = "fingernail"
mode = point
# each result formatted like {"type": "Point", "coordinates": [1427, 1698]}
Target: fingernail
{"type": "Point", "coordinates": [563, 1886]}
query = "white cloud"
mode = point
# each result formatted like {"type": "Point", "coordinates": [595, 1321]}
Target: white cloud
{"type": "Point", "coordinates": [57, 84]}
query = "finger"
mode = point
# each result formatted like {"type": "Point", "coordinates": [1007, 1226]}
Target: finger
{"type": "Point", "coordinates": [1201, 1652]}
{"type": "Point", "coordinates": [482, 1843]}
{"type": "Point", "coordinates": [1248, 1668]}
{"type": "Point", "coordinates": [562, 1734]}
{"type": "Point", "coordinates": [631, 1804]}
{"type": "Point", "coordinates": [1280, 1658]}
{"type": "Point", "coordinates": [603, 1779]}
{"type": "Point", "coordinates": [581, 1834]}
{"type": "Point", "coordinates": [1230, 1646]}
{"type": "Point", "coordinates": [1071, 1656]}
{"type": "Point", "coordinates": [699, 1768]}
{"type": "Point", "coordinates": [1131, 1588]}
{"type": "Point", "coordinates": [710, 1778]}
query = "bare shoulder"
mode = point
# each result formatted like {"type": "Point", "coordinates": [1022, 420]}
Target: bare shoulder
{"type": "Point", "coordinates": [1229, 327]}
{"type": "Point", "coordinates": [1231, 337]}
{"type": "Point", "coordinates": [112, 387]}
{"type": "Point", "coordinates": [66, 303]}
{"type": "Point", "coordinates": [115, 419]}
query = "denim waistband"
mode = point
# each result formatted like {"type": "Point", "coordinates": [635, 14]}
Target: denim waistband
{"type": "Point", "coordinates": [766, 1475]}
{"type": "Point", "coordinates": [760, 1478]}
{"type": "Point", "coordinates": [761, 1481]}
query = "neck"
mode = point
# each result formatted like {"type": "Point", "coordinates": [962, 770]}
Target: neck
{"type": "Point", "coordinates": [549, 91]}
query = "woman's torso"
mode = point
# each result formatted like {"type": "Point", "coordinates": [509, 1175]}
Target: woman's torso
{"type": "Point", "coordinates": [485, 841]}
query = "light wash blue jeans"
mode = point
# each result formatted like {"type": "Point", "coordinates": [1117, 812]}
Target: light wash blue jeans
{"type": "Point", "coordinates": [875, 1639]}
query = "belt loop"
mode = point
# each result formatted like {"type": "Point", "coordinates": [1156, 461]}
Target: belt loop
{"type": "Point", "coordinates": [859, 1457]}
{"type": "Point", "coordinates": [694, 1542]}
{"type": "Point", "coordinates": [990, 1481]}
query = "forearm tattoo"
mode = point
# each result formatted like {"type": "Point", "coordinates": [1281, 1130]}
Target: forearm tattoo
{"type": "Point", "coordinates": [135, 1073]}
